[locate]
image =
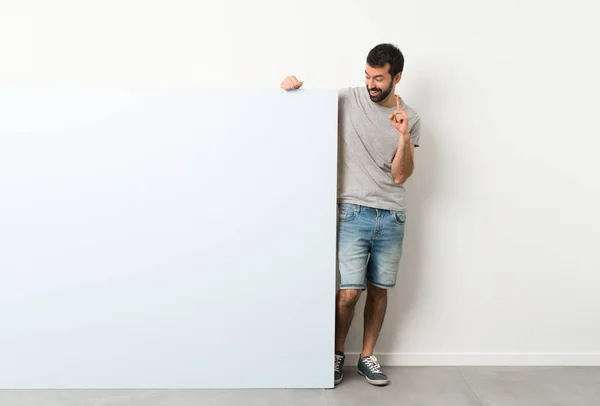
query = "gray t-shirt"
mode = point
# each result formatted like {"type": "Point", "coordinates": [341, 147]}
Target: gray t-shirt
{"type": "Point", "coordinates": [367, 145]}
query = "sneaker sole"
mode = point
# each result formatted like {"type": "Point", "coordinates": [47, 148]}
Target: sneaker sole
{"type": "Point", "coordinates": [372, 381]}
{"type": "Point", "coordinates": [338, 381]}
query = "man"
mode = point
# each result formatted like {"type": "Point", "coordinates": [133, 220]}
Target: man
{"type": "Point", "coordinates": [378, 132]}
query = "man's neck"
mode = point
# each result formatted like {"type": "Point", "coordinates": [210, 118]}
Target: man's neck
{"type": "Point", "coordinates": [389, 101]}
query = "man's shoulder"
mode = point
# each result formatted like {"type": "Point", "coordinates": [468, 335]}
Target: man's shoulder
{"type": "Point", "coordinates": [414, 122]}
{"type": "Point", "coordinates": [358, 95]}
{"type": "Point", "coordinates": [349, 91]}
{"type": "Point", "coordinates": [412, 113]}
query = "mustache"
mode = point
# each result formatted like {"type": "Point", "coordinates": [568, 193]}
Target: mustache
{"type": "Point", "coordinates": [375, 89]}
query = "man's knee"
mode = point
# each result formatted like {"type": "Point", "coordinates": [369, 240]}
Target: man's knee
{"type": "Point", "coordinates": [376, 291]}
{"type": "Point", "coordinates": [348, 297]}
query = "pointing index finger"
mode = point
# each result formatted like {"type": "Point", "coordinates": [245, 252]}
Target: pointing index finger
{"type": "Point", "coordinates": [398, 103]}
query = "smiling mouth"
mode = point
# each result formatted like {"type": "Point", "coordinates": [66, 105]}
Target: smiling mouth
{"type": "Point", "coordinates": [374, 91]}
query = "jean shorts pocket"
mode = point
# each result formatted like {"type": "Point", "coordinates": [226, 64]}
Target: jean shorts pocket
{"type": "Point", "coordinates": [346, 213]}
{"type": "Point", "coordinates": [400, 217]}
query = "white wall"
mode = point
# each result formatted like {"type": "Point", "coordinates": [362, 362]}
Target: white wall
{"type": "Point", "coordinates": [501, 262]}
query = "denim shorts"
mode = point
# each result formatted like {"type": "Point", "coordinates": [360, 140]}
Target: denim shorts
{"type": "Point", "coordinates": [369, 246]}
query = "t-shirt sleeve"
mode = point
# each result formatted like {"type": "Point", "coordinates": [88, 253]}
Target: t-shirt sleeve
{"type": "Point", "coordinates": [342, 96]}
{"type": "Point", "coordinates": [415, 131]}
{"type": "Point", "coordinates": [343, 93]}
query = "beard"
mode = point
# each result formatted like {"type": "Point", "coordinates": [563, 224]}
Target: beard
{"type": "Point", "coordinates": [381, 94]}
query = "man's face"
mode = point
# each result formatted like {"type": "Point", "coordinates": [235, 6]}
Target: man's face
{"type": "Point", "coordinates": [379, 82]}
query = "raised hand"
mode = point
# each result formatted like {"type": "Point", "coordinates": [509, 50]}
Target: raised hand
{"type": "Point", "coordinates": [399, 118]}
{"type": "Point", "coordinates": [291, 83]}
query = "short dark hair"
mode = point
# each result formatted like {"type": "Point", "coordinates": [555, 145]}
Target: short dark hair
{"type": "Point", "coordinates": [386, 53]}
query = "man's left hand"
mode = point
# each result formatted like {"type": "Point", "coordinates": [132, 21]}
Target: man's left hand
{"type": "Point", "coordinates": [399, 119]}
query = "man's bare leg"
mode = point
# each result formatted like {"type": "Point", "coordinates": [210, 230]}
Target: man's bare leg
{"type": "Point", "coordinates": [375, 308]}
{"type": "Point", "coordinates": [344, 313]}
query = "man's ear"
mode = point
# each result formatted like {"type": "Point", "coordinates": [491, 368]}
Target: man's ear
{"type": "Point", "coordinates": [397, 78]}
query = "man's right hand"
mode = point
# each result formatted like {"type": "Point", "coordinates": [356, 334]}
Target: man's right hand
{"type": "Point", "coordinates": [291, 83]}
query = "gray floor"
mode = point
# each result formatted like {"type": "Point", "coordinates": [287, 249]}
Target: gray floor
{"type": "Point", "coordinates": [426, 386]}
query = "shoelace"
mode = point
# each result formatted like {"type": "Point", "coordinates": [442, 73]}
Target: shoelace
{"type": "Point", "coordinates": [338, 362]}
{"type": "Point", "coordinates": [372, 364]}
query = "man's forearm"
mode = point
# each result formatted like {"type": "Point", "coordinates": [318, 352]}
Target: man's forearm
{"type": "Point", "coordinates": [402, 165]}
